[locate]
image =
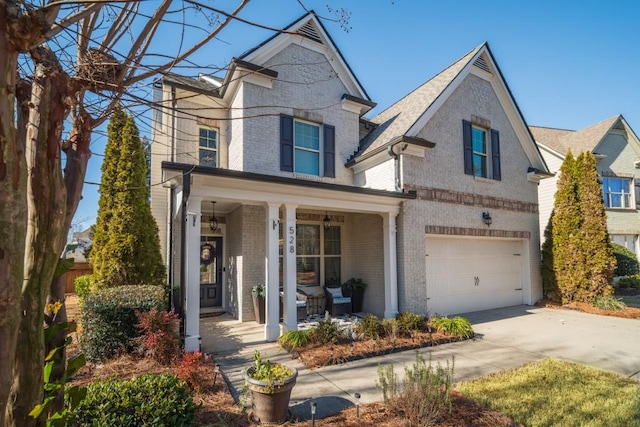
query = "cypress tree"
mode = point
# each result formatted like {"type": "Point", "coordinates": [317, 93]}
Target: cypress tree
{"type": "Point", "coordinates": [598, 255]}
{"type": "Point", "coordinates": [577, 262]}
{"type": "Point", "coordinates": [130, 251]}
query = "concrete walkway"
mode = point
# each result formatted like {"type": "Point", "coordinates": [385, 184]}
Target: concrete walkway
{"type": "Point", "coordinates": [506, 338]}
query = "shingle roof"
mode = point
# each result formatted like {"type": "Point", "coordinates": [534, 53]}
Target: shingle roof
{"type": "Point", "coordinates": [397, 119]}
{"type": "Point", "coordinates": [563, 140]}
{"type": "Point", "coordinates": [191, 83]}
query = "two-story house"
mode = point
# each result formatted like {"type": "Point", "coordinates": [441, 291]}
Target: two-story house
{"type": "Point", "coordinates": [272, 175]}
{"type": "Point", "coordinates": [617, 151]}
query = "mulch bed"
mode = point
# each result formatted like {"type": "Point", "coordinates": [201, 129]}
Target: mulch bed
{"type": "Point", "coordinates": [627, 313]}
{"type": "Point", "coordinates": [346, 350]}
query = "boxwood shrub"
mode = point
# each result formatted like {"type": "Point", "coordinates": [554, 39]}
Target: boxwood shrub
{"type": "Point", "coordinates": [627, 262]}
{"type": "Point", "coordinates": [146, 400]}
{"type": "Point", "coordinates": [109, 321]}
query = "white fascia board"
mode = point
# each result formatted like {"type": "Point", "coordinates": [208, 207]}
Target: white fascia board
{"type": "Point", "coordinates": [254, 192]}
{"type": "Point", "coordinates": [551, 151]}
{"type": "Point", "coordinates": [353, 107]}
{"type": "Point", "coordinates": [371, 162]}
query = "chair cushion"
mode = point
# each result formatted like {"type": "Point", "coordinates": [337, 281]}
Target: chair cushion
{"type": "Point", "coordinates": [342, 300]}
{"type": "Point", "coordinates": [335, 292]}
{"type": "Point", "coordinates": [301, 303]}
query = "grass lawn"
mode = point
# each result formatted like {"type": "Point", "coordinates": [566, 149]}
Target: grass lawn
{"type": "Point", "coordinates": [558, 393]}
{"type": "Point", "coordinates": [632, 301]}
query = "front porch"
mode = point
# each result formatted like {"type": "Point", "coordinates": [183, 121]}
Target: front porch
{"type": "Point", "coordinates": [276, 233]}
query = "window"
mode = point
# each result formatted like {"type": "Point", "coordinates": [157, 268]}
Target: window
{"type": "Point", "coordinates": [616, 192]}
{"type": "Point", "coordinates": [208, 145]}
{"type": "Point", "coordinates": [307, 148]}
{"type": "Point", "coordinates": [318, 254]}
{"type": "Point", "coordinates": [481, 154]}
{"type": "Point", "coordinates": [479, 144]}
{"type": "Point", "coordinates": [306, 140]}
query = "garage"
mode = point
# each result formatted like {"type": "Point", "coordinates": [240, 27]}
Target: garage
{"type": "Point", "coordinates": [473, 274]}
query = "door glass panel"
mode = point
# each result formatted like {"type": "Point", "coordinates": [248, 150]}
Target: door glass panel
{"type": "Point", "coordinates": [308, 270]}
{"type": "Point", "coordinates": [208, 271]}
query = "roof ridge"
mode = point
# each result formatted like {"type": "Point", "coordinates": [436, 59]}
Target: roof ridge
{"type": "Point", "coordinates": [451, 65]}
{"type": "Point", "coordinates": [552, 128]}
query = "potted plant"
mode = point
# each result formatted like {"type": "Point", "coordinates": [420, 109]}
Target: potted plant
{"type": "Point", "coordinates": [355, 289]}
{"type": "Point", "coordinates": [270, 386]}
{"type": "Point", "coordinates": [258, 293]}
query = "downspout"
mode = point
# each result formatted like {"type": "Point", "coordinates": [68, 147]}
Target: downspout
{"type": "Point", "coordinates": [397, 164]}
{"type": "Point", "coordinates": [186, 192]}
{"type": "Point", "coordinates": [173, 123]}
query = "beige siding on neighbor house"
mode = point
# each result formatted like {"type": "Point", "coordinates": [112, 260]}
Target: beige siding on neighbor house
{"type": "Point", "coordinates": [547, 188]}
{"type": "Point", "coordinates": [443, 168]}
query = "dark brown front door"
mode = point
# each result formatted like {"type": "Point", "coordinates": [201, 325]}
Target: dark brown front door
{"type": "Point", "coordinates": [211, 275]}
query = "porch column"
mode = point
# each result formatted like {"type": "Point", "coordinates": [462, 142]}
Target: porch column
{"type": "Point", "coordinates": [192, 261]}
{"type": "Point", "coordinates": [390, 265]}
{"type": "Point", "coordinates": [289, 268]}
{"type": "Point", "coordinates": [272, 304]}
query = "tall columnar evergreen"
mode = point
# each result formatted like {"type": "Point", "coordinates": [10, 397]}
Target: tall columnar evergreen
{"type": "Point", "coordinates": [600, 262]}
{"type": "Point", "coordinates": [127, 249]}
{"type": "Point", "coordinates": [577, 262]}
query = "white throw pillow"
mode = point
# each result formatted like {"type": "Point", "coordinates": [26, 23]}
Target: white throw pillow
{"type": "Point", "coordinates": [335, 292]}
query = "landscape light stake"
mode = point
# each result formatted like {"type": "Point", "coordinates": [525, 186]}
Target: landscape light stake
{"type": "Point", "coordinates": [216, 369]}
{"type": "Point", "coordinates": [357, 396]}
{"type": "Point", "coordinates": [313, 413]}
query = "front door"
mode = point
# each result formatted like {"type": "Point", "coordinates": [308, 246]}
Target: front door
{"type": "Point", "coordinates": [211, 272]}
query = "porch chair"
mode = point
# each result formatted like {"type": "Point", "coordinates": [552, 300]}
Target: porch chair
{"type": "Point", "coordinates": [337, 303]}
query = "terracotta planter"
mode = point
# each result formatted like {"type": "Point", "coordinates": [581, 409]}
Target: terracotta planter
{"type": "Point", "coordinates": [270, 402]}
{"type": "Point", "coordinates": [258, 308]}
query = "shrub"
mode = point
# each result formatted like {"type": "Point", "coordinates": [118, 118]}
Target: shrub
{"type": "Point", "coordinates": [456, 326]}
{"type": "Point", "coordinates": [188, 369]}
{"type": "Point", "coordinates": [609, 303]}
{"type": "Point", "coordinates": [390, 327]}
{"type": "Point", "coordinates": [370, 327]}
{"type": "Point", "coordinates": [627, 262]}
{"type": "Point", "coordinates": [326, 332]}
{"type": "Point", "coordinates": [408, 322]}
{"type": "Point", "coordinates": [158, 335]}
{"type": "Point", "coordinates": [295, 339]}
{"type": "Point", "coordinates": [82, 286]}
{"type": "Point", "coordinates": [141, 401]}
{"type": "Point", "coordinates": [629, 281]}
{"type": "Point", "coordinates": [109, 320]}
{"type": "Point", "coordinates": [422, 396]}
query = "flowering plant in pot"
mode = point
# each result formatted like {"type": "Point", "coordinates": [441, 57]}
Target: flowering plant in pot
{"type": "Point", "coordinates": [270, 387]}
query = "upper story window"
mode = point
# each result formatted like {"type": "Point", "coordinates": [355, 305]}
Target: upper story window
{"type": "Point", "coordinates": [481, 151]}
{"type": "Point", "coordinates": [479, 144]}
{"type": "Point", "coordinates": [208, 147]}
{"type": "Point", "coordinates": [307, 148]}
{"type": "Point", "coordinates": [306, 141]}
{"type": "Point", "coordinates": [616, 192]}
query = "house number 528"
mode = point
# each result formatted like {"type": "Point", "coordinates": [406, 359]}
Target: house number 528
{"type": "Point", "coordinates": [292, 240]}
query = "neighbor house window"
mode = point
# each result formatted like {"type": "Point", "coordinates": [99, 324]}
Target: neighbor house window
{"type": "Point", "coordinates": [616, 192]}
{"type": "Point", "coordinates": [208, 147]}
{"type": "Point", "coordinates": [306, 141]}
{"type": "Point", "coordinates": [318, 255]}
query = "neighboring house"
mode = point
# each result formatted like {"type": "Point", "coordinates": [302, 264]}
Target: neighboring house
{"type": "Point", "coordinates": [617, 152]}
{"type": "Point", "coordinates": [433, 202]}
{"type": "Point", "coordinates": [80, 243]}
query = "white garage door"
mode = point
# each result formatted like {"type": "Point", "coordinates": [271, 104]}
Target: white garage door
{"type": "Point", "coordinates": [467, 274]}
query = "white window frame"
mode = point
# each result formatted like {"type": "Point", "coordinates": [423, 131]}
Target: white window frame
{"type": "Point", "coordinates": [486, 154]}
{"type": "Point", "coordinates": [627, 199]}
{"type": "Point", "coordinates": [319, 151]}
{"type": "Point", "coordinates": [215, 150]}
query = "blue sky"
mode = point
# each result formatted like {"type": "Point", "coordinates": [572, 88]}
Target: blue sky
{"type": "Point", "coordinates": [569, 64]}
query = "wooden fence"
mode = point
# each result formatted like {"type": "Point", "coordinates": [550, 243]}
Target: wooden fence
{"type": "Point", "coordinates": [78, 269]}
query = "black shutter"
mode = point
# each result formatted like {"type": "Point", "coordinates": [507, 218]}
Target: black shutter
{"type": "Point", "coordinates": [286, 143]}
{"type": "Point", "coordinates": [329, 133]}
{"type": "Point", "coordinates": [495, 154]}
{"type": "Point", "coordinates": [468, 148]}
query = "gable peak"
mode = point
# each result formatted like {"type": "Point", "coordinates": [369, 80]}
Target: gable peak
{"type": "Point", "coordinates": [310, 31]}
{"type": "Point", "coordinates": [482, 63]}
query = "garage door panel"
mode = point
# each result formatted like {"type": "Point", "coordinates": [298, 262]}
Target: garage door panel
{"type": "Point", "coordinates": [466, 275]}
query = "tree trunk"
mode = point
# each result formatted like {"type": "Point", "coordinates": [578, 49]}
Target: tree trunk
{"type": "Point", "coordinates": [46, 206]}
{"type": "Point", "coordinates": [13, 215]}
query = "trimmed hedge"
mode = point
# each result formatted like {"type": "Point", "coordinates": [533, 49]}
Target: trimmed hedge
{"type": "Point", "coordinates": [146, 400]}
{"type": "Point", "coordinates": [109, 319]}
{"type": "Point", "coordinates": [82, 286]}
{"type": "Point", "coordinates": [626, 260]}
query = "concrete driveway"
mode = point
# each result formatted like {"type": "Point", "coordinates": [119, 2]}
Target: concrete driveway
{"type": "Point", "coordinates": [506, 338]}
